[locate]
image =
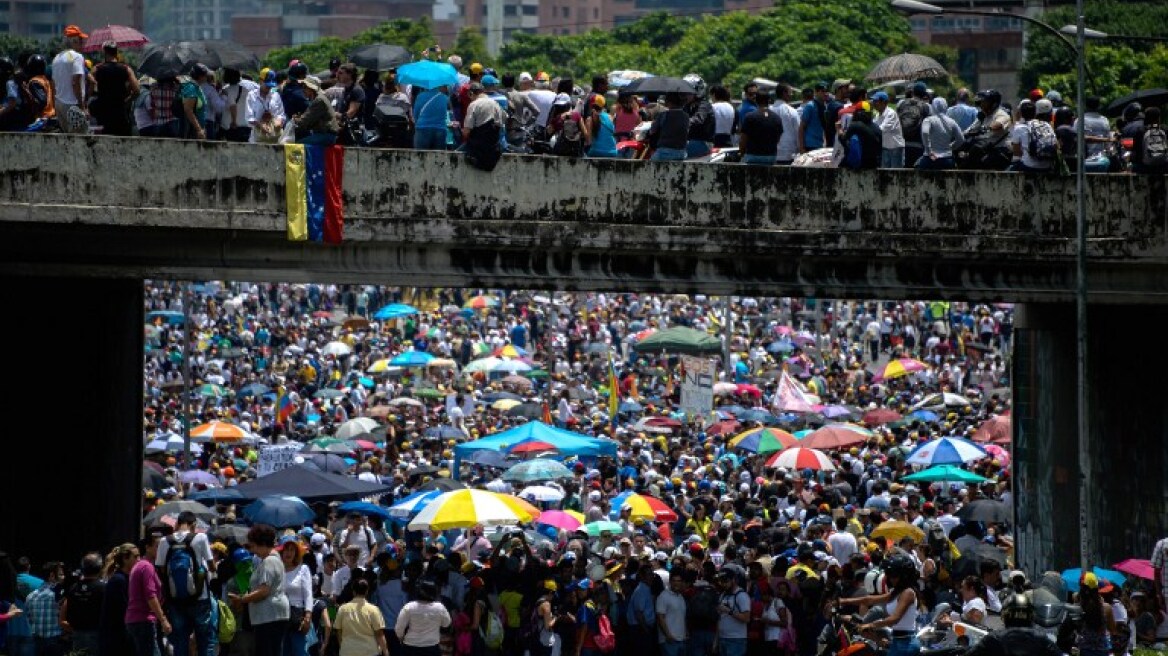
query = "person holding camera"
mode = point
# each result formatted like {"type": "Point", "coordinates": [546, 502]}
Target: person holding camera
{"type": "Point", "coordinates": [733, 615]}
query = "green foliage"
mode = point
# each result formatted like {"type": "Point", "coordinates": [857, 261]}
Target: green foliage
{"type": "Point", "coordinates": [1117, 67]}
{"type": "Point", "coordinates": [412, 35]}
{"type": "Point", "coordinates": [13, 47]}
{"type": "Point", "coordinates": [472, 47]}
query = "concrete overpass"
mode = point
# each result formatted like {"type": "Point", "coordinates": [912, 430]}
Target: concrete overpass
{"type": "Point", "coordinates": [84, 219]}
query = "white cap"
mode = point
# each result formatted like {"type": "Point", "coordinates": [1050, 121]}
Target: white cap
{"type": "Point", "coordinates": [562, 99]}
{"type": "Point", "coordinates": [661, 555]}
{"type": "Point", "coordinates": [525, 77]}
{"type": "Point", "coordinates": [594, 495]}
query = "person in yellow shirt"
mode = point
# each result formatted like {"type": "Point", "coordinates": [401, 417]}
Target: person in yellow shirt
{"type": "Point", "coordinates": [360, 625]}
{"type": "Point", "coordinates": [699, 524]}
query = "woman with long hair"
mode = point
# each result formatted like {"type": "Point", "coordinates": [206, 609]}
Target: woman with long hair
{"type": "Point", "coordinates": [360, 625]}
{"type": "Point", "coordinates": [421, 621]}
{"type": "Point", "coordinates": [1094, 638]}
{"type": "Point", "coordinates": [900, 603]}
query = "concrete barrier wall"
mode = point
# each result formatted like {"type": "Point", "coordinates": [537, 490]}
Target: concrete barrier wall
{"type": "Point", "coordinates": [166, 183]}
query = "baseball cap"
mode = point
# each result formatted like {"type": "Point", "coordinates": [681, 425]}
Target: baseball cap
{"type": "Point", "coordinates": [1089, 580]}
{"type": "Point", "coordinates": [879, 96]}
{"type": "Point", "coordinates": [839, 83]}
{"type": "Point", "coordinates": [312, 83]}
{"type": "Point", "coordinates": [285, 541]}
{"type": "Point", "coordinates": [1043, 106]}
{"type": "Point", "coordinates": [74, 31]}
{"type": "Point", "coordinates": [476, 68]}
{"type": "Point", "coordinates": [476, 86]}
{"type": "Point", "coordinates": [543, 76]}
{"type": "Point", "coordinates": [270, 80]}
{"type": "Point", "coordinates": [821, 86]}
{"type": "Point", "coordinates": [562, 99]}
{"type": "Point", "coordinates": [1036, 94]}
{"type": "Point", "coordinates": [865, 106]}
{"type": "Point", "coordinates": [661, 555]}
{"type": "Point", "coordinates": [525, 77]}
{"type": "Point", "coordinates": [920, 87]}
{"type": "Point", "coordinates": [490, 81]}
{"type": "Point", "coordinates": [317, 538]}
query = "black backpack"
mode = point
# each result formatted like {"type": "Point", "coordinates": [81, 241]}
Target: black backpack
{"type": "Point", "coordinates": [702, 608]}
{"type": "Point", "coordinates": [1155, 146]}
{"type": "Point", "coordinates": [1044, 144]}
{"type": "Point", "coordinates": [912, 113]}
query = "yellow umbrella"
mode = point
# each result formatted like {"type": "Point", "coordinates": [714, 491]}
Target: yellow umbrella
{"type": "Point", "coordinates": [505, 404]}
{"type": "Point", "coordinates": [379, 367]}
{"type": "Point", "coordinates": [577, 515]}
{"type": "Point", "coordinates": [895, 530]}
{"type": "Point", "coordinates": [466, 508]}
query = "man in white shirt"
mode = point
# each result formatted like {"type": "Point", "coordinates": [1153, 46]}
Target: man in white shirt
{"type": "Point", "coordinates": [265, 112]}
{"type": "Point", "coordinates": [843, 544]}
{"type": "Point", "coordinates": [789, 141]}
{"type": "Point", "coordinates": [541, 95]}
{"type": "Point", "coordinates": [670, 609]}
{"type": "Point", "coordinates": [891, 135]}
{"type": "Point", "coordinates": [69, 79]}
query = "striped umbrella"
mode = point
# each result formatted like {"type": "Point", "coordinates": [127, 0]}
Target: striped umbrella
{"type": "Point", "coordinates": [945, 451]}
{"type": "Point", "coordinates": [466, 508]}
{"type": "Point", "coordinates": [644, 507]}
{"type": "Point", "coordinates": [481, 303]}
{"type": "Point", "coordinates": [801, 458]}
{"type": "Point", "coordinates": [509, 351]}
{"type": "Point", "coordinates": [218, 431]}
{"type": "Point", "coordinates": [900, 367]}
{"type": "Point", "coordinates": [413, 504]}
{"type": "Point", "coordinates": [837, 436]}
{"type": "Point", "coordinates": [763, 440]}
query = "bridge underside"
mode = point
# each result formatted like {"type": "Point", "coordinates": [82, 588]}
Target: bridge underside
{"type": "Point", "coordinates": [570, 257]}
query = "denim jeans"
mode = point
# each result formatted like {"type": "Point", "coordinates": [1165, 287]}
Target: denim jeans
{"type": "Point", "coordinates": [732, 646]}
{"type": "Point", "coordinates": [762, 160]}
{"type": "Point", "coordinates": [926, 163]}
{"type": "Point", "coordinates": [21, 645]}
{"type": "Point", "coordinates": [906, 646]}
{"type": "Point", "coordinates": [430, 139]}
{"type": "Point", "coordinates": [700, 643]}
{"type": "Point", "coordinates": [892, 158]}
{"type": "Point", "coordinates": [86, 642]}
{"type": "Point", "coordinates": [199, 618]}
{"type": "Point", "coordinates": [144, 638]}
{"type": "Point", "coordinates": [695, 148]}
{"type": "Point", "coordinates": [669, 155]}
{"type": "Point", "coordinates": [673, 648]}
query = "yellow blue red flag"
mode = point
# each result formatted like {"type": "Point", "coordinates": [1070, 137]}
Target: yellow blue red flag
{"type": "Point", "coordinates": [313, 179]}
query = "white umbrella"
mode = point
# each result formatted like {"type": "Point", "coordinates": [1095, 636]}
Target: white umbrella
{"type": "Point", "coordinates": [511, 366]}
{"type": "Point", "coordinates": [942, 400]}
{"type": "Point", "coordinates": [355, 427]}
{"type": "Point", "coordinates": [542, 493]}
{"type": "Point", "coordinates": [484, 365]}
{"type": "Point", "coordinates": [405, 400]}
{"type": "Point", "coordinates": [336, 349]}
{"type": "Point", "coordinates": [722, 389]}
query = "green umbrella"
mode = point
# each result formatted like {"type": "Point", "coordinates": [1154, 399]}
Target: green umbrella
{"type": "Point", "coordinates": [536, 373]}
{"type": "Point", "coordinates": [596, 528]}
{"type": "Point", "coordinates": [212, 391]}
{"type": "Point", "coordinates": [428, 393]}
{"type": "Point", "coordinates": [947, 473]}
{"type": "Point", "coordinates": [679, 339]}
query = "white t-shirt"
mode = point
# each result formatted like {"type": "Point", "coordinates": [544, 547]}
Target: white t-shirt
{"type": "Point", "coordinates": [66, 64]}
{"type": "Point", "coordinates": [1021, 135]}
{"type": "Point", "coordinates": [772, 633]}
{"type": "Point", "coordinates": [975, 604]}
{"type": "Point", "coordinates": [843, 545]}
{"type": "Point", "coordinates": [672, 606]}
{"type": "Point", "coordinates": [199, 545]}
{"type": "Point", "coordinates": [723, 118]}
{"type": "Point", "coordinates": [543, 99]}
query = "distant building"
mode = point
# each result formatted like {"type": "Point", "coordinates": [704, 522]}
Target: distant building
{"type": "Point", "coordinates": [44, 20]}
{"type": "Point", "coordinates": [193, 20]}
{"type": "Point", "coordinates": [990, 49]}
{"type": "Point", "coordinates": [279, 23]}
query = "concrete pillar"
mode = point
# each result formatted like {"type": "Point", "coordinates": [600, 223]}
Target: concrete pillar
{"type": "Point", "coordinates": [72, 439]}
{"type": "Point", "coordinates": [1128, 414]}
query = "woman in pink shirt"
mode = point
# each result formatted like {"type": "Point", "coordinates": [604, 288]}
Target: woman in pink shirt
{"type": "Point", "coordinates": [144, 609]}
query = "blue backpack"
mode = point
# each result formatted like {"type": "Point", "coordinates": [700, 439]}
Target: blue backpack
{"type": "Point", "coordinates": [853, 154]}
{"type": "Point", "coordinates": [185, 577]}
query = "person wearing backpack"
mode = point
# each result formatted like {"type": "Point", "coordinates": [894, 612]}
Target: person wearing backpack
{"type": "Point", "coordinates": [862, 150]}
{"type": "Point", "coordinates": [1030, 156]}
{"type": "Point", "coordinates": [912, 112]}
{"type": "Point", "coordinates": [734, 609]}
{"type": "Point", "coordinates": [185, 565]}
{"type": "Point", "coordinates": [940, 136]}
{"type": "Point", "coordinates": [1150, 146]}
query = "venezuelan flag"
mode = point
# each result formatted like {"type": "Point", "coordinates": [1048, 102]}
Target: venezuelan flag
{"type": "Point", "coordinates": [313, 178]}
{"type": "Point", "coordinates": [613, 392]}
{"type": "Point", "coordinates": [284, 407]}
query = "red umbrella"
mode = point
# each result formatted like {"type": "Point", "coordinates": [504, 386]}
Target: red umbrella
{"type": "Point", "coordinates": [125, 37]}
{"type": "Point", "coordinates": [724, 428]}
{"type": "Point", "coordinates": [881, 416]}
{"type": "Point", "coordinates": [748, 390]}
{"type": "Point", "coordinates": [664, 422]}
{"type": "Point", "coordinates": [995, 429]}
{"type": "Point", "coordinates": [835, 436]}
{"type": "Point", "coordinates": [1138, 568]}
{"type": "Point", "coordinates": [532, 447]}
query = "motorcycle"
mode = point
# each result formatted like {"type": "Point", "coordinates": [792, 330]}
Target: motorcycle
{"type": "Point", "coordinates": [948, 639]}
{"type": "Point", "coordinates": [981, 151]}
{"type": "Point", "coordinates": [841, 636]}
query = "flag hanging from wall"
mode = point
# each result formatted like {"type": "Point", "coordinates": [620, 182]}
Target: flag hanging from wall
{"type": "Point", "coordinates": [313, 179]}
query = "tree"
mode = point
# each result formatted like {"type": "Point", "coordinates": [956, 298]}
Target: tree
{"type": "Point", "coordinates": [471, 47]}
{"type": "Point", "coordinates": [1117, 67]}
{"type": "Point", "coordinates": [412, 35]}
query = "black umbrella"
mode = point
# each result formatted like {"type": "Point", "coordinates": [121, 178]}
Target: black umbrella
{"type": "Point", "coordinates": [153, 480]}
{"type": "Point", "coordinates": [328, 462]}
{"type": "Point", "coordinates": [309, 485]}
{"type": "Point", "coordinates": [442, 484]}
{"type": "Point", "coordinates": [164, 60]}
{"type": "Point", "coordinates": [529, 410]}
{"type": "Point", "coordinates": [380, 56]}
{"type": "Point", "coordinates": [985, 510]}
{"type": "Point", "coordinates": [660, 84]}
{"type": "Point", "coordinates": [489, 458]}
{"type": "Point", "coordinates": [1145, 97]}
{"type": "Point", "coordinates": [229, 54]}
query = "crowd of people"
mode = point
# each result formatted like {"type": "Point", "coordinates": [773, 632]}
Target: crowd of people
{"type": "Point", "coordinates": [744, 557]}
{"type": "Point", "coordinates": [488, 113]}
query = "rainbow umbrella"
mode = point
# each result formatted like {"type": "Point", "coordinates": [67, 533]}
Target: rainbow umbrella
{"type": "Point", "coordinates": [481, 303]}
{"type": "Point", "coordinates": [466, 508]}
{"type": "Point", "coordinates": [801, 458]}
{"type": "Point", "coordinates": [643, 506]}
{"type": "Point", "coordinates": [900, 367]}
{"type": "Point", "coordinates": [509, 351]}
{"type": "Point", "coordinates": [763, 440]}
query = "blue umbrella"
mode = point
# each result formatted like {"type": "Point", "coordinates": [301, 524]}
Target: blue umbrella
{"type": "Point", "coordinates": [923, 415]}
{"type": "Point", "coordinates": [166, 316]}
{"type": "Point", "coordinates": [365, 508]}
{"type": "Point", "coordinates": [255, 389]}
{"type": "Point", "coordinates": [780, 347]}
{"type": "Point", "coordinates": [427, 74]}
{"type": "Point", "coordinates": [444, 433]}
{"type": "Point", "coordinates": [366, 382]}
{"type": "Point", "coordinates": [411, 359]}
{"type": "Point", "coordinates": [395, 310]}
{"type": "Point", "coordinates": [490, 459]}
{"type": "Point", "coordinates": [410, 506]}
{"type": "Point", "coordinates": [278, 510]}
{"type": "Point", "coordinates": [216, 495]}
{"type": "Point", "coordinates": [1072, 576]}
{"type": "Point", "coordinates": [762, 416]}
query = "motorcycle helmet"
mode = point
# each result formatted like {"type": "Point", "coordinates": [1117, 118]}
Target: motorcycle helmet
{"type": "Point", "coordinates": [1048, 615]}
{"type": "Point", "coordinates": [992, 95]}
{"type": "Point", "coordinates": [36, 66]}
{"type": "Point", "coordinates": [900, 565]}
{"type": "Point", "coordinates": [698, 84]}
{"type": "Point", "coordinates": [7, 68]}
{"type": "Point", "coordinates": [1017, 611]}
{"type": "Point", "coordinates": [240, 554]}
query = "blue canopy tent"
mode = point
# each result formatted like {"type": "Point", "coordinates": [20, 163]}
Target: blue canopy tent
{"type": "Point", "coordinates": [566, 442]}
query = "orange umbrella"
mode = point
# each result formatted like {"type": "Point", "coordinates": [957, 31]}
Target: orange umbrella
{"type": "Point", "coordinates": [218, 431]}
{"type": "Point", "coordinates": [836, 436]}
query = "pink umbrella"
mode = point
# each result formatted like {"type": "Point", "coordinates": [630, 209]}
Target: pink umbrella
{"type": "Point", "coordinates": [999, 454]}
{"type": "Point", "coordinates": [1138, 568]}
{"type": "Point", "coordinates": [559, 519]}
{"type": "Point", "coordinates": [125, 37]}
